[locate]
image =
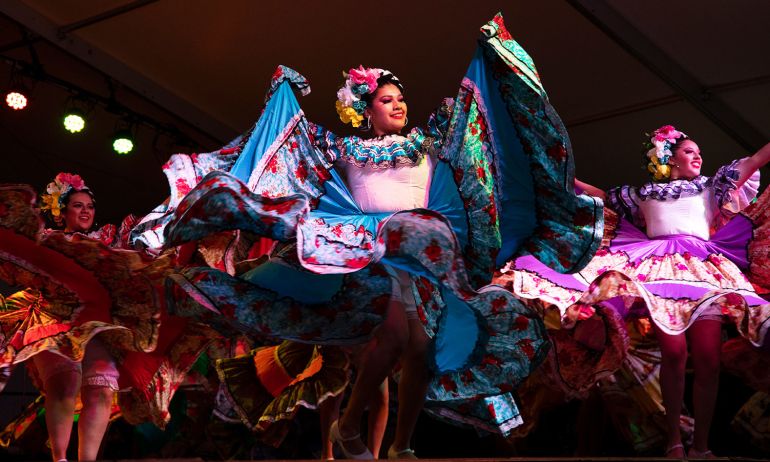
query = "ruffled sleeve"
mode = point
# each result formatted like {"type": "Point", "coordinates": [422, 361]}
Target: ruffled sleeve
{"type": "Point", "coordinates": [623, 201]}
{"type": "Point", "coordinates": [730, 198]}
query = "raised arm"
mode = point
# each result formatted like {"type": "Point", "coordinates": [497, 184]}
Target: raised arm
{"type": "Point", "coordinates": [590, 190]}
{"type": "Point", "coordinates": [753, 163]}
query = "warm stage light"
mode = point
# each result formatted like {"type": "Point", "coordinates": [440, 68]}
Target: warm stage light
{"type": "Point", "coordinates": [74, 122]}
{"type": "Point", "coordinates": [16, 100]}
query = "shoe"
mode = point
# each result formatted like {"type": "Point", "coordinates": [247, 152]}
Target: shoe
{"type": "Point", "coordinates": [402, 454]}
{"type": "Point", "coordinates": [673, 448]}
{"type": "Point", "coordinates": [337, 438]}
{"type": "Point", "coordinates": [695, 454]}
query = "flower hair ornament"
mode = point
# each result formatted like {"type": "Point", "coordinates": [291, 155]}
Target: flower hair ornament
{"type": "Point", "coordinates": [359, 82]}
{"type": "Point", "coordinates": [57, 192]}
{"type": "Point", "coordinates": [657, 151]}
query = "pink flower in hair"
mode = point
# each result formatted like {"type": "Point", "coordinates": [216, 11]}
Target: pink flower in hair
{"type": "Point", "coordinates": [71, 179]}
{"type": "Point", "coordinates": [367, 76]}
{"type": "Point", "coordinates": [667, 133]}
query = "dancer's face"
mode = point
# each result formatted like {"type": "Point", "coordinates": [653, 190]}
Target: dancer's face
{"type": "Point", "coordinates": [79, 213]}
{"type": "Point", "coordinates": [387, 110]}
{"type": "Point", "coordinates": [686, 161]}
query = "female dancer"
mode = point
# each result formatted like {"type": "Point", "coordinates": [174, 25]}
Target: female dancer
{"type": "Point", "coordinates": [91, 305]}
{"type": "Point", "coordinates": [416, 226]}
{"type": "Point", "coordinates": [59, 365]}
{"type": "Point", "coordinates": [674, 257]}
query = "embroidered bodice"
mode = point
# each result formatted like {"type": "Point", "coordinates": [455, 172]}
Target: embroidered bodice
{"type": "Point", "coordinates": [402, 187]}
{"type": "Point", "coordinates": [694, 207]}
{"type": "Point", "coordinates": [390, 173]}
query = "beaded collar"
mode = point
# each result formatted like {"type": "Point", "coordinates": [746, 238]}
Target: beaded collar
{"type": "Point", "coordinates": [386, 151]}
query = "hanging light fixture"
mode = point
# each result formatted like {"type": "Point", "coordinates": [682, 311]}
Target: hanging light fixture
{"type": "Point", "coordinates": [17, 96]}
{"type": "Point", "coordinates": [75, 113]}
{"type": "Point", "coordinates": [74, 121]}
{"type": "Point", "coordinates": [16, 99]}
{"type": "Point", "coordinates": [123, 143]}
{"type": "Point", "coordinates": [123, 139]}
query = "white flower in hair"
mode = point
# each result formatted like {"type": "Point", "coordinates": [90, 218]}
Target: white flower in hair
{"type": "Point", "coordinates": [345, 96]}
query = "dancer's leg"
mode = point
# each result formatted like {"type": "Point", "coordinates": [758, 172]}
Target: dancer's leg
{"type": "Point", "coordinates": [673, 361]}
{"type": "Point", "coordinates": [61, 391]}
{"type": "Point", "coordinates": [391, 340]}
{"type": "Point", "coordinates": [94, 417]}
{"type": "Point", "coordinates": [378, 418]}
{"type": "Point", "coordinates": [100, 381]}
{"type": "Point", "coordinates": [705, 339]}
{"type": "Point", "coordinates": [412, 386]}
{"type": "Point", "coordinates": [328, 411]}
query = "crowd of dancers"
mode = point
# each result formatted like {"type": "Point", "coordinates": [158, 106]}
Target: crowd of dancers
{"type": "Point", "coordinates": [462, 259]}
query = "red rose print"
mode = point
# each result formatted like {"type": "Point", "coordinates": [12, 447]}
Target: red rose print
{"type": "Point", "coordinates": [458, 175]}
{"type": "Point", "coordinates": [448, 384]}
{"type": "Point", "coordinates": [301, 171]}
{"type": "Point", "coordinates": [481, 174]}
{"type": "Point", "coordinates": [322, 173]}
{"type": "Point", "coordinates": [394, 240]}
{"type": "Point", "coordinates": [467, 102]}
{"type": "Point", "coordinates": [491, 360]}
{"type": "Point", "coordinates": [583, 217]}
{"type": "Point", "coordinates": [491, 410]}
{"type": "Point", "coordinates": [502, 32]}
{"type": "Point", "coordinates": [521, 120]}
{"type": "Point", "coordinates": [505, 387]}
{"type": "Point", "coordinates": [269, 221]}
{"type": "Point", "coordinates": [557, 152]}
{"type": "Point", "coordinates": [358, 262]}
{"type": "Point", "coordinates": [526, 347]}
{"type": "Point", "coordinates": [433, 251]}
{"type": "Point", "coordinates": [182, 187]}
{"type": "Point", "coordinates": [278, 205]}
{"type": "Point", "coordinates": [498, 304]}
{"type": "Point", "coordinates": [521, 323]}
{"type": "Point", "coordinates": [272, 164]}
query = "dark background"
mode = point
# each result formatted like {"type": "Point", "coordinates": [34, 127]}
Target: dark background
{"type": "Point", "coordinates": [198, 71]}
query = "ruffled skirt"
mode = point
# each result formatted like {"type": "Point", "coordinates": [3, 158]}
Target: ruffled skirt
{"type": "Point", "coordinates": [82, 288]}
{"type": "Point", "coordinates": [267, 386]}
{"type": "Point", "coordinates": [673, 280]}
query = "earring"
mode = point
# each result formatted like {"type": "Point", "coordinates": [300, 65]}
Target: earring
{"type": "Point", "coordinates": [368, 126]}
{"type": "Point", "coordinates": [406, 121]}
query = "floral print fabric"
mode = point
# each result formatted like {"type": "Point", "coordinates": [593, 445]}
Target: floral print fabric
{"type": "Point", "coordinates": [81, 286]}
{"type": "Point", "coordinates": [673, 280]}
{"type": "Point", "coordinates": [291, 193]}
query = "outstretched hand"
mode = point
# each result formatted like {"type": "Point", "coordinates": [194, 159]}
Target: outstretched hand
{"type": "Point", "coordinates": [753, 163]}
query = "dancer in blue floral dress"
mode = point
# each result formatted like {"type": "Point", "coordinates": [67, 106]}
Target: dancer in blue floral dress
{"type": "Point", "coordinates": [490, 177]}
